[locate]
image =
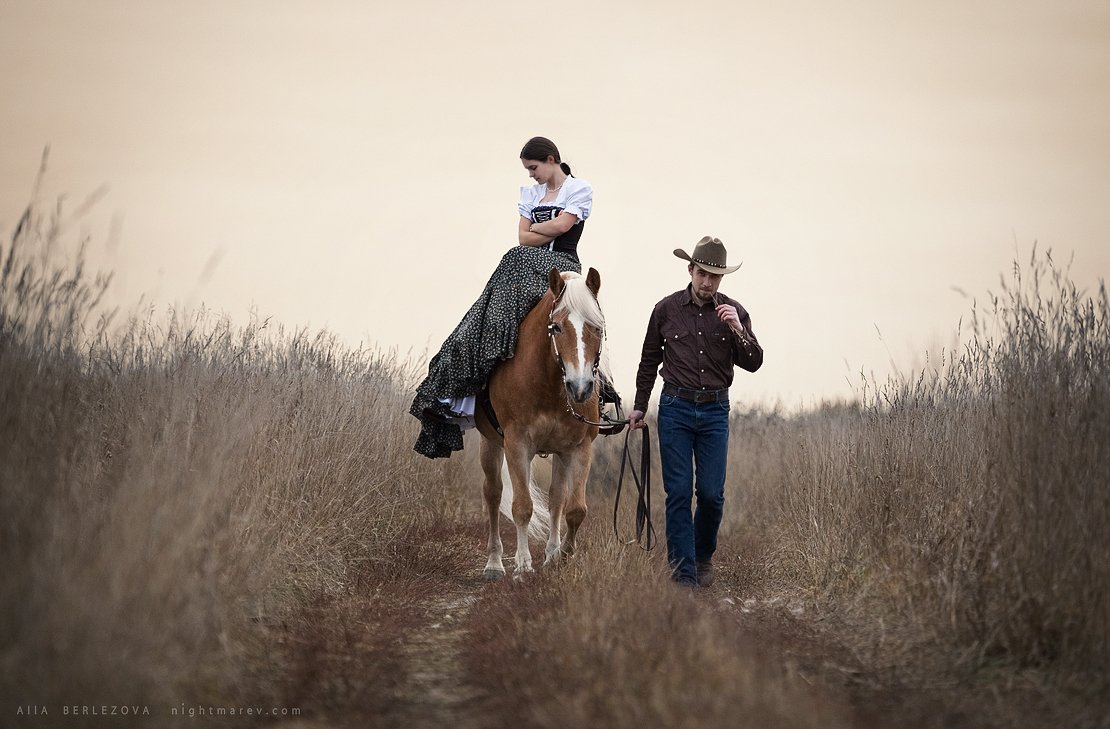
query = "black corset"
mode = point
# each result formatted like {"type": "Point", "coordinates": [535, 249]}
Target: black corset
{"type": "Point", "coordinates": [567, 242]}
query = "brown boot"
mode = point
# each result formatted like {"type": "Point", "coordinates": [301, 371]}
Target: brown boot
{"type": "Point", "coordinates": [705, 574]}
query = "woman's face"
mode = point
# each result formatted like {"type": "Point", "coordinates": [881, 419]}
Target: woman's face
{"type": "Point", "coordinates": [541, 172]}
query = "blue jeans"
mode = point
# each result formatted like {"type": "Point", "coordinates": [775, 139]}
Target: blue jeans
{"type": "Point", "coordinates": [693, 440]}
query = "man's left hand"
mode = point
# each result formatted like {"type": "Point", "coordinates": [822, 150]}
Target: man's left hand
{"type": "Point", "coordinates": [729, 316]}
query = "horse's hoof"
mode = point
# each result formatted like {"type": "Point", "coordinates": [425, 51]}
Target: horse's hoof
{"type": "Point", "coordinates": [555, 559]}
{"type": "Point", "coordinates": [493, 575]}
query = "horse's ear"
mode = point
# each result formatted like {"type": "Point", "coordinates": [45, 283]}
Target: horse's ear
{"type": "Point", "coordinates": [555, 282]}
{"type": "Point", "coordinates": [593, 281]}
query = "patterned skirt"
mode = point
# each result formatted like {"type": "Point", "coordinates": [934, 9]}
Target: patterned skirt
{"type": "Point", "coordinates": [485, 336]}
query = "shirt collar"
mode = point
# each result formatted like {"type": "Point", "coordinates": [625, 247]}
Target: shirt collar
{"type": "Point", "coordinates": [688, 297]}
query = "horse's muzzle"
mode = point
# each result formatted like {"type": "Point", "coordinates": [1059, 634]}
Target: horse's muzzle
{"type": "Point", "coordinates": [579, 390]}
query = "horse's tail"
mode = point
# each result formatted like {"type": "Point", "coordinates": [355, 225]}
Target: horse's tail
{"type": "Point", "coordinates": [540, 525]}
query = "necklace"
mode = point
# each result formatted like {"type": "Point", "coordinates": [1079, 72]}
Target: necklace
{"type": "Point", "coordinates": [556, 189]}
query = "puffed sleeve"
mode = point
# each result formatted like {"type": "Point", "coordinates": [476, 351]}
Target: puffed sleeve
{"type": "Point", "coordinates": [527, 201]}
{"type": "Point", "coordinates": [580, 199]}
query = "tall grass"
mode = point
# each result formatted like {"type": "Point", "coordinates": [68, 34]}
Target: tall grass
{"type": "Point", "coordinates": [968, 504]}
{"type": "Point", "coordinates": [196, 511]}
{"type": "Point", "coordinates": [170, 486]}
{"type": "Point", "coordinates": [610, 641]}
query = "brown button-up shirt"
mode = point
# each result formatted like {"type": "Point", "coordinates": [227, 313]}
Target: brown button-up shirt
{"type": "Point", "coordinates": [697, 349]}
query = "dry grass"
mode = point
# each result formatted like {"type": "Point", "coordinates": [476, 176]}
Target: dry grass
{"type": "Point", "coordinates": [205, 513]}
{"type": "Point", "coordinates": [965, 511]}
{"type": "Point", "coordinates": [610, 641]}
{"type": "Point", "coordinates": [171, 489]}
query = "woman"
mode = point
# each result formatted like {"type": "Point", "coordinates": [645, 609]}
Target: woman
{"type": "Point", "coordinates": [552, 215]}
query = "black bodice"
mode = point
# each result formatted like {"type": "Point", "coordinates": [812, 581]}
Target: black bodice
{"type": "Point", "coordinates": [567, 242]}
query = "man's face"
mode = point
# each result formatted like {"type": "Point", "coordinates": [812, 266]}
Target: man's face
{"type": "Point", "coordinates": [704, 283]}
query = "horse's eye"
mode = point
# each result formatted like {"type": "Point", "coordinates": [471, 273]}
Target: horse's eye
{"type": "Point", "coordinates": [556, 329]}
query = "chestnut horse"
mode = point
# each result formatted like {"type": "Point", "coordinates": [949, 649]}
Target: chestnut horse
{"type": "Point", "coordinates": [545, 399]}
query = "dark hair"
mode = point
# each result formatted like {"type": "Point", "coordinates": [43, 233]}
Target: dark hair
{"type": "Point", "coordinates": [540, 148]}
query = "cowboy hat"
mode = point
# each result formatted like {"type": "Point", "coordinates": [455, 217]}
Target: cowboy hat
{"type": "Point", "coordinates": [710, 255]}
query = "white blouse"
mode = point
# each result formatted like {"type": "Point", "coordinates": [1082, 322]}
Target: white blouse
{"type": "Point", "coordinates": [575, 196]}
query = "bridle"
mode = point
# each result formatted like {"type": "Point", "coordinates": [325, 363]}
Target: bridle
{"type": "Point", "coordinates": [606, 420]}
{"type": "Point", "coordinates": [645, 531]}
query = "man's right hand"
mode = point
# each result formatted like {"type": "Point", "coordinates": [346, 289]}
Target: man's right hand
{"type": "Point", "coordinates": [636, 420]}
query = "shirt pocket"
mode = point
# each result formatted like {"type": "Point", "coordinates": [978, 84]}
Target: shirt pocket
{"type": "Point", "coordinates": [673, 337]}
{"type": "Point", "coordinates": [719, 339]}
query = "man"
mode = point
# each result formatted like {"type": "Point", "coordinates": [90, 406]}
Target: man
{"type": "Point", "coordinates": [698, 335]}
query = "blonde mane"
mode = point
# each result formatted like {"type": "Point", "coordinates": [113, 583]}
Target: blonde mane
{"type": "Point", "coordinates": [578, 299]}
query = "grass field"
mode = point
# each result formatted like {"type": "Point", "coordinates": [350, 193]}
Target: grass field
{"type": "Point", "coordinates": [197, 513]}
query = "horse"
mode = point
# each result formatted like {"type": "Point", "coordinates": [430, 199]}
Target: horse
{"type": "Point", "coordinates": [545, 399]}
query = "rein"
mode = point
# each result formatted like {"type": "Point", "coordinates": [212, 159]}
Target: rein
{"type": "Point", "coordinates": [645, 531]}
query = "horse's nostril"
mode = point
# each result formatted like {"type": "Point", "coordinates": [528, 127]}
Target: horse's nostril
{"type": "Point", "coordinates": [580, 390]}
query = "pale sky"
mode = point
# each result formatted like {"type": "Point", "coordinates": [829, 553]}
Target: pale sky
{"type": "Point", "coordinates": [355, 166]}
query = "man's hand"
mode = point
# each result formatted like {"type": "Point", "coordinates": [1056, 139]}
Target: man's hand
{"type": "Point", "coordinates": [636, 420]}
{"type": "Point", "coordinates": [729, 315]}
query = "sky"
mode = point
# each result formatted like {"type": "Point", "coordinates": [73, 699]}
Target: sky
{"type": "Point", "coordinates": [354, 165]}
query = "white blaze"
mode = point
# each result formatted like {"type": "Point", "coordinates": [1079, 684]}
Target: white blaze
{"type": "Point", "coordinates": [579, 371]}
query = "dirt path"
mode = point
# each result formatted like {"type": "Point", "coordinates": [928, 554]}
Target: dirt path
{"type": "Point", "coordinates": [435, 691]}
{"type": "Point", "coordinates": [422, 675]}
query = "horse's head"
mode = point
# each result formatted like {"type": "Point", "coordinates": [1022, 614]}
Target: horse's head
{"type": "Point", "coordinates": [577, 329]}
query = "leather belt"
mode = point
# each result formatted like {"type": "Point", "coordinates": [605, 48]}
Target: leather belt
{"type": "Point", "coordinates": [695, 395]}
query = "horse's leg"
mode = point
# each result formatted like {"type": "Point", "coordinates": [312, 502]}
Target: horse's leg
{"type": "Point", "coordinates": [556, 496]}
{"type": "Point", "coordinates": [491, 455]}
{"type": "Point", "coordinates": [520, 471]}
{"type": "Point", "coordinates": [578, 470]}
